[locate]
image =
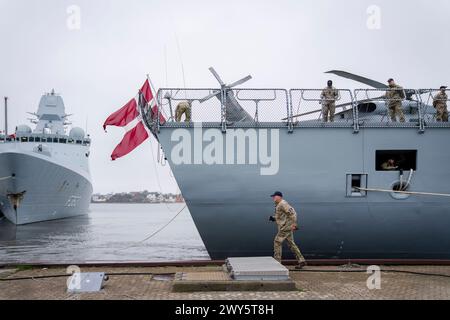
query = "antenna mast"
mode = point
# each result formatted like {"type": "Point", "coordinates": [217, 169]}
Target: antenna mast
{"type": "Point", "coordinates": [6, 116]}
{"type": "Point", "coordinates": [182, 64]}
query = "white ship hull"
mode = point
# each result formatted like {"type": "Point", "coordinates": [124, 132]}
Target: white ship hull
{"type": "Point", "coordinates": [38, 186]}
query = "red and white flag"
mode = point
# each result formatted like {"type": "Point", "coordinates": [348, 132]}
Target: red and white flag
{"type": "Point", "coordinates": [130, 141]}
{"type": "Point", "coordinates": [124, 116]}
{"type": "Point", "coordinates": [147, 99]}
{"type": "Point", "coordinates": [129, 118]}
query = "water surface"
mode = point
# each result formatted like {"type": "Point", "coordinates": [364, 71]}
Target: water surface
{"type": "Point", "coordinates": [111, 232]}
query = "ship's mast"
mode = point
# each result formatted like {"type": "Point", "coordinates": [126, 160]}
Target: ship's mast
{"type": "Point", "coordinates": [6, 116]}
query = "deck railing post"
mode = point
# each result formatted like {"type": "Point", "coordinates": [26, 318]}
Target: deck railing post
{"type": "Point", "coordinates": [223, 108]}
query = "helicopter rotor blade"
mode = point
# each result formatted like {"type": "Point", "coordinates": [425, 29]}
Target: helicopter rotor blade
{"type": "Point", "coordinates": [239, 82]}
{"type": "Point", "coordinates": [338, 106]}
{"type": "Point", "coordinates": [216, 75]}
{"type": "Point", "coordinates": [212, 95]}
{"type": "Point", "coordinates": [372, 83]}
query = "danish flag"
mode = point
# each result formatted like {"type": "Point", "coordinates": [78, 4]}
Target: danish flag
{"type": "Point", "coordinates": [129, 118]}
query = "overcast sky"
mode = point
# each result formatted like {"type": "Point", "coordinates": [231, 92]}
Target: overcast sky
{"type": "Point", "coordinates": [100, 66]}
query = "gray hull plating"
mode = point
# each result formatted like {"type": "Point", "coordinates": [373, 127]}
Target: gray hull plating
{"type": "Point", "coordinates": [52, 191]}
{"type": "Point", "coordinates": [230, 204]}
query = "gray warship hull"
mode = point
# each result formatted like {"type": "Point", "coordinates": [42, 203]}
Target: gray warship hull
{"type": "Point", "coordinates": [232, 205]}
{"type": "Point", "coordinates": [364, 185]}
{"type": "Point", "coordinates": [44, 173]}
{"type": "Point", "coordinates": [51, 191]}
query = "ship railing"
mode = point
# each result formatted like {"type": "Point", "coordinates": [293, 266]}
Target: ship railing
{"type": "Point", "coordinates": [225, 107]}
{"type": "Point", "coordinates": [308, 108]}
{"type": "Point", "coordinates": [429, 112]}
{"type": "Point", "coordinates": [372, 107]}
{"type": "Point", "coordinates": [297, 108]}
{"type": "Point", "coordinates": [43, 138]}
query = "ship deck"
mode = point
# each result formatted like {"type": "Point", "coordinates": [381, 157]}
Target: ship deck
{"type": "Point", "coordinates": [340, 282]}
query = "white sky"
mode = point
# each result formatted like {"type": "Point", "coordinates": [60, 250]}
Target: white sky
{"type": "Point", "coordinates": [284, 43]}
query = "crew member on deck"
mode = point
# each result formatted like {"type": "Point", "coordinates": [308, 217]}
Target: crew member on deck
{"type": "Point", "coordinates": [440, 104]}
{"type": "Point", "coordinates": [329, 96]}
{"type": "Point", "coordinates": [394, 97]}
{"type": "Point", "coordinates": [286, 219]}
{"type": "Point", "coordinates": [183, 108]}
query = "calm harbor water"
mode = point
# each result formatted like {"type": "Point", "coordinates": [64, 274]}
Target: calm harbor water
{"type": "Point", "coordinates": [111, 232]}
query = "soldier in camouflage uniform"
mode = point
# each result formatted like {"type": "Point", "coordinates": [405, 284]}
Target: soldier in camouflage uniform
{"type": "Point", "coordinates": [394, 97]}
{"type": "Point", "coordinates": [440, 104]}
{"type": "Point", "coordinates": [286, 219]}
{"type": "Point", "coordinates": [389, 165]}
{"type": "Point", "coordinates": [329, 96]}
{"type": "Point", "coordinates": [183, 108]}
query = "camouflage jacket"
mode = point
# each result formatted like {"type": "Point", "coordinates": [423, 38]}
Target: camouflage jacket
{"type": "Point", "coordinates": [184, 105]}
{"type": "Point", "coordinates": [285, 216]}
{"type": "Point", "coordinates": [440, 100]}
{"type": "Point", "coordinates": [329, 95]}
{"type": "Point", "coordinates": [395, 94]}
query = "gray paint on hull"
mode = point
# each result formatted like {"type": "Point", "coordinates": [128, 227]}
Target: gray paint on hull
{"type": "Point", "coordinates": [52, 191]}
{"type": "Point", "coordinates": [230, 204]}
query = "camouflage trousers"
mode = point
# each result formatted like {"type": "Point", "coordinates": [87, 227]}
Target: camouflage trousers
{"type": "Point", "coordinates": [287, 236]}
{"type": "Point", "coordinates": [395, 110]}
{"type": "Point", "coordinates": [441, 114]}
{"type": "Point", "coordinates": [328, 111]}
{"type": "Point", "coordinates": [183, 109]}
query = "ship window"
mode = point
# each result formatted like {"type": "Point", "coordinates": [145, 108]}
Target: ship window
{"type": "Point", "coordinates": [24, 139]}
{"type": "Point", "coordinates": [70, 141]}
{"type": "Point", "coordinates": [38, 139]}
{"type": "Point", "coordinates": [55, 140]}
{"type": "Point", "coordinates": [394, 160]}
{"type": "Point", "coordinates": [62, 140]}
{"type": "Point", "coordinates": [79, 142]}
{"type": "Point", "coordinates": [2, 138]}
{"type": "Point", "coordinates": [31, 139]}
{"type": "Point", "coordinates": [49, 140]}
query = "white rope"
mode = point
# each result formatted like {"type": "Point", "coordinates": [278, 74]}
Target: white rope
{"type": "Point", "coordinates": [154, 233]}
{"type": "Point", "coordinates": [407, 192]}
{"type": "Point", "coordinates": [5, 178]}
{"type": "Point", "coordinates": [409, 180]}
{"type": "Point", "coordinates": [167, 206]}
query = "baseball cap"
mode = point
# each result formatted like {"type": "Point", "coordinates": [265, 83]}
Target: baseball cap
{"type": "Point", "coordinates": [277, 193]}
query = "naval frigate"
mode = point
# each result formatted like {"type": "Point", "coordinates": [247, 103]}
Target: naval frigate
{"type": "Point", "coordinates": [44, 173]}
{"type": "Point", "coordinates": [243, 144]}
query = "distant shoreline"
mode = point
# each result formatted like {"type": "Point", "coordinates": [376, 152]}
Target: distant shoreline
{"type": "Point", "coordinates": [103, 202]}
{"type": "Point", "coordinates": [137, 197]}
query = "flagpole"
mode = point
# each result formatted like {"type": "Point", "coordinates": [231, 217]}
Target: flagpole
{"type": "Point", "coordinates": [154, 90]}
{"type": "Point", "coordinates": [154, 97]}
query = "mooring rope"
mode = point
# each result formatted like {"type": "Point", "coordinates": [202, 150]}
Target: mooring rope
{"type": "Point", "coordinates": [154, 233]}
{"type": "Point", "coordinates": [6, 178]}
{"type": "Point", "coordinates": [168, 208]}
{"type": "Point", "coordinates": [407, 192]}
